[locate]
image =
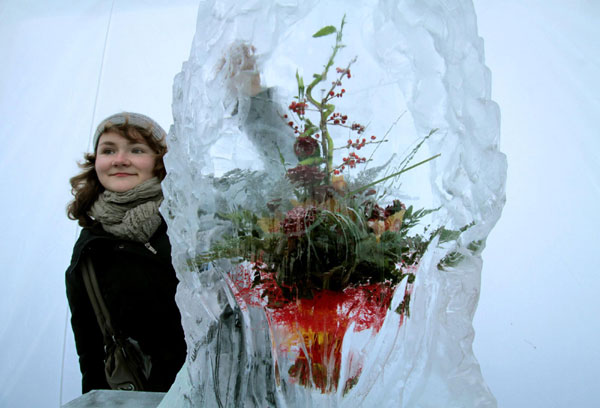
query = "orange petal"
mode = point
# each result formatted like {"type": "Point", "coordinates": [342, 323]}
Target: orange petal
{"type": "Point", "coordinates": [394, 222]}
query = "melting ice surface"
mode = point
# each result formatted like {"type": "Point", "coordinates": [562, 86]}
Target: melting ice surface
{"type": "Point", "coordinates": [419, 66]}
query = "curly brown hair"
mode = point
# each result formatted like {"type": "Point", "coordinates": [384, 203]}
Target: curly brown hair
{"type": "Point", "coordinates": [86, 186]}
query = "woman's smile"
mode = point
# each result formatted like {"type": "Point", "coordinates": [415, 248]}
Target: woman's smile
{"type": "Point", "coordinates": [122, 174]}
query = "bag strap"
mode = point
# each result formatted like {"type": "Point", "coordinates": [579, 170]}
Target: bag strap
{"type": "Point", "coordinates": [93, 290]}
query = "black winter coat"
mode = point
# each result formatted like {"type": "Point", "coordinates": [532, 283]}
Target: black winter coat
{"type": "Point", "coordinates": [138, 287]}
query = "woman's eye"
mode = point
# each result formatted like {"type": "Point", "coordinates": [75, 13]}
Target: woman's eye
{"type": "Point", "coordinates": [138, 150]}
{"type": "Point", "coordinates": [106, 151]}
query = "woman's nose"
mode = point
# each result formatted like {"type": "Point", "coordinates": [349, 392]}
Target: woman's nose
{"type": "Point", "coordinates": [121, 159]}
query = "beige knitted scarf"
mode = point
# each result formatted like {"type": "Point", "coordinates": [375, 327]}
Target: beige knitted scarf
{"type": "Point", "coordinates": [132, 214]}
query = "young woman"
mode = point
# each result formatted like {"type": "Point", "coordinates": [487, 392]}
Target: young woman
{"type": "Point", "coordinates": [117, 196]}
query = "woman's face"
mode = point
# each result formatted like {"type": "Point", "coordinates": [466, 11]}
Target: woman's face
{"type": "Point", "coordinates": [122, 164]}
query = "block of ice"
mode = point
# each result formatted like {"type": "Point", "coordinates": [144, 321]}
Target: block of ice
{"type": "Point", "coordinates": [419, 66]}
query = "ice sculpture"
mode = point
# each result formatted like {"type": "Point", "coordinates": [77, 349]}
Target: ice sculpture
{"type": "Point", "coordinates": [419, 67]}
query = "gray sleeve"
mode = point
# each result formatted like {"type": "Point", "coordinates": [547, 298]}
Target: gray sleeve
{"type": "Point", "coordinates": [268, 131]}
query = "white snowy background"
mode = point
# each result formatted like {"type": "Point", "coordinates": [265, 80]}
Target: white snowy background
{"type": "Point", "coordinates": [65, 65]}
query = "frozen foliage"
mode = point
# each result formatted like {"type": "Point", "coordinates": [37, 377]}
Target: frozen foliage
{"type": "Point", "coordinates": [422, 57]}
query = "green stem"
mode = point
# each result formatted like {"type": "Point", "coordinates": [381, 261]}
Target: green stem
{"type": "Point", "coordinates": [327, 145]}
{"type": "Point", "coordinates": [360, 190]}
{"type": "Point", "coordinates": [330, 147]}
{"type": "Point", "coordinates": [312, 161]}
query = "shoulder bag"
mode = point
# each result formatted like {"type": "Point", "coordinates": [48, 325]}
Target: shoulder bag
{"type": "Point", "coordinates": [126, 367]}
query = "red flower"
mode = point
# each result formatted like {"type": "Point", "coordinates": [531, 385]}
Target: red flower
{"type": "Point", "coordinates": [297, 220]}
{"type": "Point", "coordinates": [306, 147]}
{"type": "Point", "coordinates": [374, 212]}
{"type": "Point", "coordinates": [305, 175]}
{"type": "Point", "coordinates": [396, 206]}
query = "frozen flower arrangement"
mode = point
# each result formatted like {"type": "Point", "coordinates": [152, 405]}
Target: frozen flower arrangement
{"type": "Point", "coordinates": [328, 253]}
{"type": "Point", "coordinates": [333, 237]}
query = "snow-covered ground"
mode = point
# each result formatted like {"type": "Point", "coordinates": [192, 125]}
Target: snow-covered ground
{"type": "Point", "coordinates": [68, 64]}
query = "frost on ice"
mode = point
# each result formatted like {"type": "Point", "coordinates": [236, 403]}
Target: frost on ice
{"type": "Point", "coordinates": [419, 67]}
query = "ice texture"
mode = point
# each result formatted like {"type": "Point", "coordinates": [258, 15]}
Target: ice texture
{"type": "Point", "coordinates": [419, 66]}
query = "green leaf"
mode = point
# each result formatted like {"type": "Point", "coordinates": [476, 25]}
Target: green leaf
{"type": "Point", "coordinates": [311, 125]}
{"type": "Point", "coordinates": [476, 246]}
{"type": "Point", "coordinates": [448, 235]}
{"type": "Point", "coordinates": [310, 129]}
{"type": "Point", "coordinates": [300, 85]}
{"type": "Point", "coordinates": [325, 31]}
{"type": "Point", "coordinates": [281, 158]}
{"type": "Point", "coordinates": [450, 261]}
